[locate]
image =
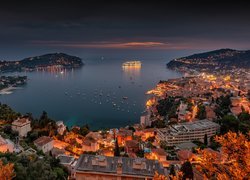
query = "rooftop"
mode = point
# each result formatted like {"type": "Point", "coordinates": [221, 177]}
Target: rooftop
{"type": "Point", "coordinates": [186, 145]}
{"type": "Point", "coordinates": [21, 122]}
{"type": "Point", "coordinates": [189, 127]}
{"type": "Point", "coordinates": [43, 140]}
{"type": "Point", "coordinates": [185, 155]}
{"type": "Point", "coordinates": [88, 140]}
{"type": "Point", "coordinates": [132, 143]}
{"type": "Point", "coordinates": [160, 152]}
{"type": "Point", "coordinates": [130, 166]}
{"type": "Point", "coordinates": [2, 141]}
{"type": "Point", "coordinates": [64, 159]}
{"type": "Point", "coordinates": [125, 132]}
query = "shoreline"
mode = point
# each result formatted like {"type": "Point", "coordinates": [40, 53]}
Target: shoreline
{"type": "Point", "coordinates": [8, 90]}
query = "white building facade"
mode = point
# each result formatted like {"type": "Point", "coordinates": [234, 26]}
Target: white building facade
{"type": "Point", "coordinates": [44, 143]}
{"type": "Point", "coordinates": [22, 126]}
{"type": "Point", "coordinates": [187, 132]}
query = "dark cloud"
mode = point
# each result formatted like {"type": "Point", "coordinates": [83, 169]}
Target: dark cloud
{"type": "Point", "coordinates": [82, 24]}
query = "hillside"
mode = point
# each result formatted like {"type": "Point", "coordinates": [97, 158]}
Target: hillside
{"type": "Point", "coordinates": [222, 58]}
{"type": "Point", "coordinates": [43, 61]}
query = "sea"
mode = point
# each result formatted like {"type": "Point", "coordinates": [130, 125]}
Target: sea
{"type": "Point", "coordinates": [101, 94]}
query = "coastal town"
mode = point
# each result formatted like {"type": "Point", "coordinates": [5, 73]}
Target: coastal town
{"type": "Point", "coordinates": [184, 122]}
{"type": "Point", "coordinates": [124, 90]}
{"type": "Point", "coordinates": [9, 83]}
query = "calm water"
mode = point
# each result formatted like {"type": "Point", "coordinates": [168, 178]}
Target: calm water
{"type": "Point", "coordinates": [88, 95]}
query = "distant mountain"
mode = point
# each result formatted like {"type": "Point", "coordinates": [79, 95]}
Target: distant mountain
{"type": "Point", "coordinates": [222, 58]}
{"type": "Point", "coordinates": [43, 61]}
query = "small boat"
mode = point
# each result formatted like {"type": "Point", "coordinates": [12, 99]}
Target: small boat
{"type": "Point", "coordinates": [125, 98]}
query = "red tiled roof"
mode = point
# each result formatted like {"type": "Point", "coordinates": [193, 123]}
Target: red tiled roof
{"type": "Point", "coordinates": [131, 143]}
{"type": "Point", "coordinates": [21, 121]}
{"type": "Point", "coordinates": [43, 140]}
{"type": "Point", "coordinates": [88, 140]}
{"type": "Point", "coordinates": [184, 154]}
{"type": "Point", "coordinates": [159, 151]}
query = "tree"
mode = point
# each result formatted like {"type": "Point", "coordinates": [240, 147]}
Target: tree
{"type": "Point", "coordinates": [165, 105]}
{"type": "Point", "coordinates": [201, 114]}
{"type": "Point", "coordinates": [172, 170]}
{"type": "Point", "coordinates": [131, 128]}
{"type": "Point", "coordinates": [205, 140]}
{"type": "Point", "coordinates": [43, 121]}
{"type": "Point", "coordinates": [244, 116]}
{"type": "Point", "coordinates": [6, 171]}
{"type": "Point", "coordinates": [232, 163]}
{"type": "Point", "coordinates": [229, 123]}
{"type": "Point", "coordinates": [140, 153]}
{"type": "Point", "coordinates": [84, 130]}
{"type": "Point", "coordinates": [30, 167]}
{"type": "Point", "coordinates": [223, 104]}
{"type": "Point", "coordinates": [158, 176]}
{"type": "Point", "coordinates": [117, 149]}
{"type": "Point", "coordinates": [44, 115]}
{"type": "Point", "coordinates": [158, 123]}
{"type": "Point", "coordinates": [8, 114]}
{"type": "Point", "coordinates": [187, 170]}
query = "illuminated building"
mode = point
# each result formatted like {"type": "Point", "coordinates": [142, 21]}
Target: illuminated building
{"type": "Point", "coordinates": [124, 135]}
{"type": "Point", "coordinates": [114, 168]}
{"type": "Point", "coordinates": [186, 132]}
{"type": "Point", "coordinates": [44, 143]}
{"type": "Point", "coordinates": [6, 145]}
{"type": "Point", "coordinates": [22, 126]}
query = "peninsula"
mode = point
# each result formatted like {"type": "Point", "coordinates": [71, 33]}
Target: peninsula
{"type": "Point", "coordinates": [212, 60]}
{"type": "Point", "coordinates": [40, 62]}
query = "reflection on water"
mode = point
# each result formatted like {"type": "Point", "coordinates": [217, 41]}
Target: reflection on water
{"type": "Point", "coordinates": [56, 71]}
{"type": "Point", "coordinates": [132, 71]}
{"type": "Point", "coordinates": [102, 94]}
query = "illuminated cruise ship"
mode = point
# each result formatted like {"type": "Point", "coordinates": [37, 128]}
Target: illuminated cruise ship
{"type": "Point", "coordinates": [132, 64]}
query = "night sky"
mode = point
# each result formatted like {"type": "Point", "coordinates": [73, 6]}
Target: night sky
{"type": "Point", "coordinates": [32, 28]}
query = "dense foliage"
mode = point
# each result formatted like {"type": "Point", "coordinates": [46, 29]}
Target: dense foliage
{"type": "Point", "coordinates": [6, 171]}
{"type": "Point", "coordinates": [235, 124]}
{"type": "Point", "coordinates": [223, 105]}
{"type": "Point", "coordinates": [7, 114]}
{"type": "Point", "coordinates": [235, 162]}
{"type": "Point", "coordinates": [29, 166]}
{"type": "Point", "coordinates": [201, 114]}
{"type": "Point", "coordinates": [187, 170]}
{"type": "Point", "coordinates": [167, 106]}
